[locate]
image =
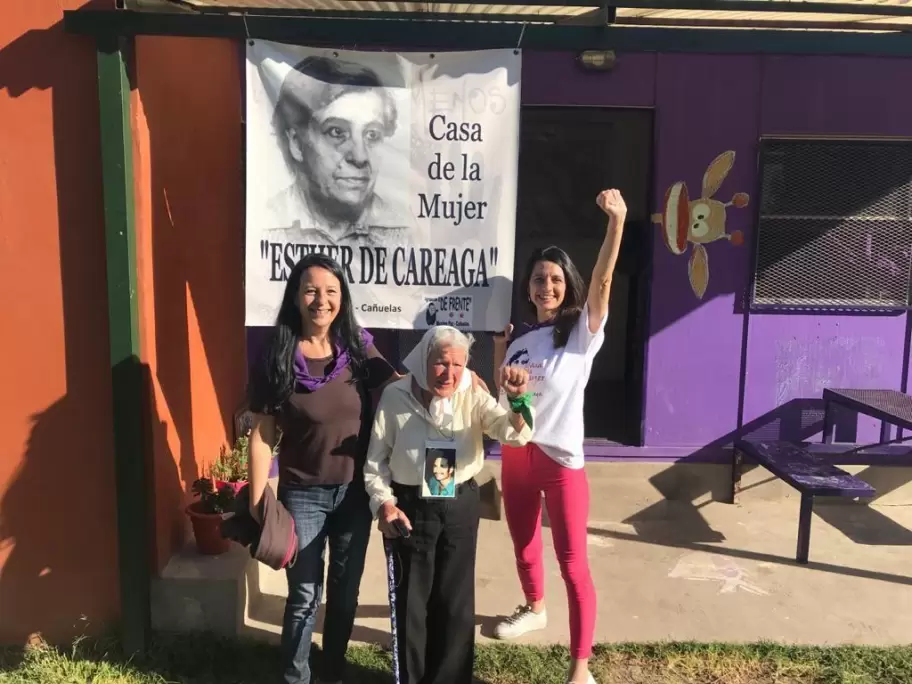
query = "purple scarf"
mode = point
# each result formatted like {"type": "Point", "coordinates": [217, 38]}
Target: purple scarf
{"type": "Point", "coordinates": [342, 361]}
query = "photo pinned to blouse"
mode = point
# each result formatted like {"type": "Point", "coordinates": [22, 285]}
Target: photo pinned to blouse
{"type": "Point", "coordinates": [439, 470]}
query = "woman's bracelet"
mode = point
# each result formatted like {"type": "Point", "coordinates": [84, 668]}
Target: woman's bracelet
{"type": "Point", "coordinates": [522, 404]}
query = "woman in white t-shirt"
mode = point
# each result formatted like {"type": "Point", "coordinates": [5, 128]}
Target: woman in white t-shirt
{"type": "Point", "coordinates": [558, 352]}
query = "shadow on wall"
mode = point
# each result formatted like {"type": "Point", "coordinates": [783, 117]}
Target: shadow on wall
{"type": "Point", "coordinates": [57, 513]}
{"type": "Point", "coordinates": [58, 538]}
{"type": "Point", "coordinates": [60, 577]}
{"type": "Point", "coordinates": [196, 219]}
{"type": "Point", "coordinates": [168, 528]}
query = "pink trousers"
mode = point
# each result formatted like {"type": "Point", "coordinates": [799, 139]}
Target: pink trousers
{"type": "Point", "coordinates": [527, 472]}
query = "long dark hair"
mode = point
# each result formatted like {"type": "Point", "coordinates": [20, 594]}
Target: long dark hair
{"type": "Point", "coordinates": [574, 296]}
{"type": "Point", "coordinates": [279, 378]}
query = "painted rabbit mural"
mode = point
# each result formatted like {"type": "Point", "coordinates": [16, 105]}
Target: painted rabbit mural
{"type": "Point", "coordinates": [700, 221]}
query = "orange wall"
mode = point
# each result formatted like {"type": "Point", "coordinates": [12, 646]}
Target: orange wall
{"type": "Point", "coordinates": [190, 230]}
{"type": "Point", "coordinates": [58, 543]}
{"type": "Point", "coordinates": [58, 547]}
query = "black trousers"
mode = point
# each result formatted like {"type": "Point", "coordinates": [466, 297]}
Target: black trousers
{"type": "Point", "coordinates": [435, 599]}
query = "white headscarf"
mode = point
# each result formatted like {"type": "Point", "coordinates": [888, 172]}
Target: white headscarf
{"type": "Point", "coordinates": [415, 363]}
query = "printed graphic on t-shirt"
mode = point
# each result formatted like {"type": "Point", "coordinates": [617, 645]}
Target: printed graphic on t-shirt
{"type": "Point", "coordinates": [439, 477]}
{"type": "Point", "coordinates": [557, 380]}
{"type": "Point", "coordinates": [536, 370]}
{"type": "Point", "coordinates": [520, 358]}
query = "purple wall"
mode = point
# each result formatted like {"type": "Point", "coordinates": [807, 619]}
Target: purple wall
{"type": "Point", "coordinates": [553, 78]}
{"type": "Point", "coordinates": [704, 106]}
{"type": "Point", "coordinates": [707, 105]}
{"type": "Point", "coordinates": [792, 357]}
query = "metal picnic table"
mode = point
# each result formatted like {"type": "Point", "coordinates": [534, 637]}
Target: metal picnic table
{"type": "Point", "coordinates": [810, 470]}
{"type": "Point", "coordinates": [889, 406]}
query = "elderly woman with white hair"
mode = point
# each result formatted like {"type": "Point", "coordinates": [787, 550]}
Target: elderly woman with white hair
{"type": "Point", "coordinates": [425, 451]}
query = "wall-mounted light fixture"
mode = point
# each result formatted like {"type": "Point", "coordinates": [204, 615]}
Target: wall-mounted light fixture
{"type": "Point", "coordinates": [597, 60]}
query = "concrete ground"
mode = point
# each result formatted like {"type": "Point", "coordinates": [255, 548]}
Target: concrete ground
{"type": "Point", "coordinates": [692, 568]}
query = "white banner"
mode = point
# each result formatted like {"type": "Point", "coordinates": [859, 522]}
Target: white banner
{"type": "Point", "coordinates": [400, 166]}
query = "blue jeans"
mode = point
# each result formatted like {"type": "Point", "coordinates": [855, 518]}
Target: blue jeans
{"type": "Point", "coordinates": [339, 515]}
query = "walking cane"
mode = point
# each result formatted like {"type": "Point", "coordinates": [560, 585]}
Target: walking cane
{"type": "Point", "coordinates": [391, 580]}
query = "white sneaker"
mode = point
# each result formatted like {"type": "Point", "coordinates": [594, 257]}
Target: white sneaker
{"type": "Point", "coordinates": [521, 622]}
{"type": "Point", "coordinates": [591, 680]}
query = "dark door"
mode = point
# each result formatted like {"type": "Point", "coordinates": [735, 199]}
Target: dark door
{"type": "Point", "coordinates": [567, 156]}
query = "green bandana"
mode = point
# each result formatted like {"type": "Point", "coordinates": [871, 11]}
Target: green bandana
{"type": "Point", "coordinates": [522, 405]}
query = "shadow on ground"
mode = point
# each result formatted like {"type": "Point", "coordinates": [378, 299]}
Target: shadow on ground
{"type": "Point", "coordinates": [665, 535]}
{"type": "Point", "coordinates": [268, 609]}
{"type": "Point", "coordinates": [865, 525]}
{"type": "Point", "coordinates": [204, 658]}
{"type": "Point", "coordinates": [796, 420]}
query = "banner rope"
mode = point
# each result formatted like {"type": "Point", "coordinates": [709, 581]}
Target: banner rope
{"type": "Point", "coordinates": [521, 34]}
{"type": "Point", "coordinates": [247, 29]}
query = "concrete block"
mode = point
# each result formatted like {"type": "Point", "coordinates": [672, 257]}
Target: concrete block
{"type": "Point", "coordinates": [197, 592]}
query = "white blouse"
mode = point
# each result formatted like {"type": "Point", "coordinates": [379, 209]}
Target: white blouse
{"type": "Point", "coordinates": [403, 427]}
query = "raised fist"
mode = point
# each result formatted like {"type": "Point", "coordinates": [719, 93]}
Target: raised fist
{"type": "Point", "coordinates": [514, 379]}
{"type": "Point", "coordinates": [612, 203]}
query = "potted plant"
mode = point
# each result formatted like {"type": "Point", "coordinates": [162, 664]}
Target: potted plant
{"type": "Point", "coordinates": [230, 468]}
{"type": "Point", "coordinates": [206, 515]}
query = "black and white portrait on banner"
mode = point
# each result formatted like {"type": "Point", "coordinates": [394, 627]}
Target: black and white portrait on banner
{"type": "Point", "coordinates": [401, 166]}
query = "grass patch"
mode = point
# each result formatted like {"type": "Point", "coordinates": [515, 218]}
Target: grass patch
{"type": "Point", "coordinates": [206, 659]}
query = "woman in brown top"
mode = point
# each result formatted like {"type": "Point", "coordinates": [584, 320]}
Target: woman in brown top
{"type": "Point", "coordinates": [315, 385]}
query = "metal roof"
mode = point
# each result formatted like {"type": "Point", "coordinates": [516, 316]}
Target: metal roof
{"type": "Point", "coordinates": [854, 15]}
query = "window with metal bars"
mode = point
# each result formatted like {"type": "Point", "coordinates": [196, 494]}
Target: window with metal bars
{"type": "Point", "coordinates": [835, 224]}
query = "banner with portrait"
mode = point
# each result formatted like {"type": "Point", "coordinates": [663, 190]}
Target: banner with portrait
{"type": "Point", "coordinates": [400, 166]}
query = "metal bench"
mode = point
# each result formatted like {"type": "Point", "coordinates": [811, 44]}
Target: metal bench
{"type": "Point", "coordinates": [809, 474]}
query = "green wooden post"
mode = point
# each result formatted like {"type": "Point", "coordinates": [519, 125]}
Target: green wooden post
{"type": "Point", "coordinates": [127, 375]}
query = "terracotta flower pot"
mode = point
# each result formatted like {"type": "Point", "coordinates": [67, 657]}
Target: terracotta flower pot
{"type": "Point", "coordinates": [235, 486]}
{"type": "Point", "coordinates": [207, 531]}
